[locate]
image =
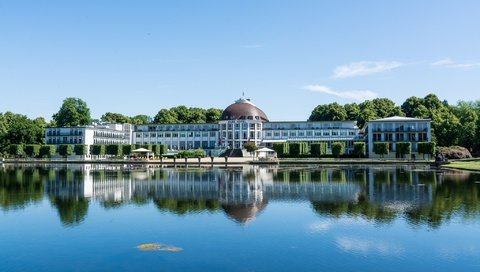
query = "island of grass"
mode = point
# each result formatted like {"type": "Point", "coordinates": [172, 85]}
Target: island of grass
{"type": "Point", "coordinates": [472, 165]}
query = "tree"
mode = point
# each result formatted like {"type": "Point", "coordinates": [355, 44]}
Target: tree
{"type": "Point", "coordinates": [141, 119]}
{"type": "Point", "coordinates": [47, 151]}
{"type": "Point", "coordinates": [115, 118]}
{"type": "Point", "coordinates": [352, 110]}
{"type": "Point", "coordinates": [381, 148]}
{"type": "Point", "coordinates": [468, 117]}
{"type": "Point", "coordinates": [328, 112]}
{"type": "Point", "coordinates": [165, 116]}
{"type": "Point", "coordinates": [250, 147]}
{"type": "Point", "coordinates": [338, 149]}
{"type": "Point", "coordinates": [32, 150]}
{"type": "Point", "coordinates": [80, 149]}
{"type": "Point", "coordinates": [426, 148]}
{"type": "Point", "coordinates": [298, 149]}
{"type": "Point", "coordinates": [213, 115]}
{"type": "Point", "coordinates": [65, 150]}
{"type": "Point", "coordinates": [16, 150]}
{"type": "Point", "coordinates": [359, 149]}
{"type": "Point", "coordinates": [73, 112]}
{"type": "Point", "coordinates": [114, 150]}
{"type": "Point", "coordinates": [98, 149]}
{"type": "Point", "coordinates": [318, 149]}
{"type": "Point", "coordinates": [403, 149]}
{"type": "Point", "coordinates": [282, 149]}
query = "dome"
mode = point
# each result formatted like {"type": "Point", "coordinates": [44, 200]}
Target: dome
{"type": "Point", "coordinates": [243, 109]}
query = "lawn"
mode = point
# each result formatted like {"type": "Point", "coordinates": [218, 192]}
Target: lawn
{"type": "Point", "coordinates": [464, 165]}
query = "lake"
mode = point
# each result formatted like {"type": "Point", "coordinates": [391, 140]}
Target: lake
{"type": "Point", "coordinates": [277, 218]}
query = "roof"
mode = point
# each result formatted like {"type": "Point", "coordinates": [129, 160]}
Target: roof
{"type": "Point", "coordinates": [142, 150]}
{"type": "Point", "coordinates": [398, 119]}
{"type": "Point", "coordinates": [243, 109]}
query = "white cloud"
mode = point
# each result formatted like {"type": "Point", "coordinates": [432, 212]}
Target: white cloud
{"type": "Point", "coordinates": [320, 226]}
{"type": "Point", "coordinates": [252, 46]}
{"type": "Point", "coordinates": [449, 63]}
{"type": "Point", "coordinates": [354, 94]}
{"type": "Point", "coordinates": [442, 62]}
{"type": "Point", "coordinates": [364, 68]}
{"type": "Point", "coordinates": [365, 246]}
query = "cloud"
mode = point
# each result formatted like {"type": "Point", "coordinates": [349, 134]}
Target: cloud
{"type": "Point", "coordinates": [320, 226]}
{"type": "Point", "coordinates": [449, 63]}
{"type": "Point", "coordinates": [364, 68]}
{"type": "Point", "coordinates": [253, 46]}
{"type": "Point", "coordinates": [365, 246]}
{"type": "Point", "coordinates": [354, 95]}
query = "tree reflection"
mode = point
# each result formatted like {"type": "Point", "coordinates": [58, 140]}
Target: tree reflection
{"type": "Point", "coordinates": [20, 187]}
{"type": "Point", "coordinates": [72, 211]}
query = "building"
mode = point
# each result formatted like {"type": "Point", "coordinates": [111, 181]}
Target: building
{"type": "Point", "coordinates": [243, 122]}
{"type": "Point", "coordinates": [396, 129]}
{"type": "Point", "coordinates": [89, 135]}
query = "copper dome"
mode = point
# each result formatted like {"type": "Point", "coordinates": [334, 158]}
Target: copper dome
{"type": "Point", "coordinates": [243, 109]}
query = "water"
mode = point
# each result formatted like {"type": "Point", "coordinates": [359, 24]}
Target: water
{"type": "Point", "coordinates": [306, 218]}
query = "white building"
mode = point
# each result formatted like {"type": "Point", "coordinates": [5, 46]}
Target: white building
{"type": "Point", "coordinates": [89, 135]}
{"type": "Point", "coordinates": [393, 130]}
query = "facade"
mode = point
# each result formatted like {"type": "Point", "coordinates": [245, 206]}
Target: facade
{"type": "Point", "coordinates": [243, 122]}
{"type": "Point", "coordinates": [89, 135]}
{"type": "Point", "coordinates": [393, 130]}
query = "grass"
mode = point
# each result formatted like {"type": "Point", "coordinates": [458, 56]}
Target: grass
{"type": "Point", "coordinates": [464, 165]}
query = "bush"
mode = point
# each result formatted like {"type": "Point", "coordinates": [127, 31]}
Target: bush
{"type": "Point", "coordinates": [47, 151]}
{"type": "Point", "coordinates": [159, 149]}
{"type": "Point", "coordinates": [80, 150]}
{"type": "Point", "coordinates": [98, 150]}
{"type": "Point", "coordinates": [16, 150]}
{"type": "Point", "coordinates": [359, 149]}
{"type": "Point", "coordinates": [298, 149]}
{"type": "Point", "coordinates": [338, 148]}
{"type": "Point", "coordinates": [32, 151]}
{"type": "Point", "coordinates": [114, 150]}
{"type": "Point", "coordinates": [282, 149]}
{"type": "Point", "coordinates": [381, 148]}
{"type": "Point", "coordinates": [455, 152]}
{"type": "Point", "coordinates": [318, 149]}
{"type": "Point", "coordinates": [403, 149]}
{"type": "Point", "coordinates": [65, 150]}
{"type": "Point", "coordinates": [426, 148]}
{"type": "Point", "coordinates": [127, 149]}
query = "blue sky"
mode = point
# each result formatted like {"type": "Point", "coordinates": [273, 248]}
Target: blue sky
{"type": "Point", "coordinates": [136, 57]}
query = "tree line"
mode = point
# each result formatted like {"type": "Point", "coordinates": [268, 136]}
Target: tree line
{"type": "Point", "coordinates": [452, 125]}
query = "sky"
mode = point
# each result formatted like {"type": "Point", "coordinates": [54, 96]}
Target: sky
{"type": "Point", "coordinates": [137, 57]}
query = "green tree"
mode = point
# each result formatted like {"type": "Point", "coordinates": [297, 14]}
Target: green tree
{"type": "Point", "coordinates": [328, 112]}
{"type": "Point", "coordinates": [381, 148]}
{"type": "Point", "coordinates": [352, 110]}
{"type": "Point", "coordinates": [47, 151]}
{"type": "Point", "coordinates": [32, 151]}
{"type": "Point", "coordinates": [114, 150]}
{"type": "Point", "coordinates": [213, 115]}
{"type": "Point", "coordinates": [468, 118]}
{"type": "Point", "coordinates": [80, 149]}
{"type": "Point", "coordinates": [403, 149]}
{"type": "Point", "coordinates": [165, 116]}
{"type": "Point", "coordinates": [338, 149]}
{"type": "Point", "coordinates": [426, 148]}
{"type": "Point", "coordinates": [141, 119]}
{"type": "Point", "coordinates": [16, 150]}
{"type": "Point", "coordinates": [318, 149]}
{"type": "Point", "coordinates": [282, 149]}
{"type": "Point", "coordinates": [359, 149]}
{"type": "Point", "coordinates": [115, 118]}
{"type": "Point", "coordinates": [65, 150]}
{"type": "Point", "coordinates": [98, 149]}
{"type": "Point", "coordinates": [250, 147]}
{"type": "Point", "coordinates": [73, 112]}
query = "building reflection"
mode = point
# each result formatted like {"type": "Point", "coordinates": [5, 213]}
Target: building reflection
{"type": "Point", "coordinates": [379, 193]}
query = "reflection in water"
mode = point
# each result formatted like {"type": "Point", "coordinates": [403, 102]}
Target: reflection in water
{"type": "Point", "coordinates": [375, 193]}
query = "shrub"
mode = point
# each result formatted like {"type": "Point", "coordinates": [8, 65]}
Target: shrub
{"type": "Point", "coordinates": [65, 150]}
{"type": "Point", "coordinates": [80, 150]}
{"type": "Point", "coordinates": [98, 150]}
{"type": "Point", "coordinates": [32, 151]}
{"type": "Point", "coordinates": [47, 151]}
{"type": "Point", "coordinates": [298, 149]}
{"type": "Point", "coordinates": [318, 149]}
{"type": "Point", "coordinates": [359, 149]}
{"type": "Point", "coordinates": [127, 149]}
{"type": "Point", "coordinates": [455, 152]}
{"type": "Point", "coordinates": [426, 148]}
{"type": "Point", "coordinates": [16, 150]}
{"type": "Point", "coordinates": [114, 150]}
{"type": "Point", "coordinates": [159, 149]}
{"type": "Point", "coordinates": [282, 149]}
{"type": "Point", "coordinates": [403, 149]}
{"type": "Point", "coordinates": [381, 148]}
{"type": "Point", "coordinates": [338, 149]}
